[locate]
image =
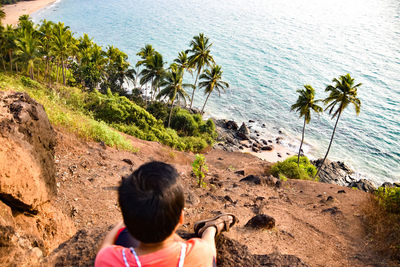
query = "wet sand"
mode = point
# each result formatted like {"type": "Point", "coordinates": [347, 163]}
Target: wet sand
{"type": "Point", "coordinates": [14, 11]}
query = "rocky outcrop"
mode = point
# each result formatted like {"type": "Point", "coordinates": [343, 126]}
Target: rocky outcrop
{"type": "Point", "coordinates": [29, 225]}
{"type": "Point", "coordinates": [337, 172]}
{"type": "Point", "coordinates": [27, 171]}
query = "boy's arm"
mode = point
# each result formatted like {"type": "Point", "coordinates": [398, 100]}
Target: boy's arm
{"type": "Point", "coordinates": [110, 237]}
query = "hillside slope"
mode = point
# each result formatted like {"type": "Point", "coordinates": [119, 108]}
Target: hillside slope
{"type": "Point", "coordinates": [322, 224]}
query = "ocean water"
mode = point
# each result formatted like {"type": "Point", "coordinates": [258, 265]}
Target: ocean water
{"type": "Point", "coordinates": [268, 49]}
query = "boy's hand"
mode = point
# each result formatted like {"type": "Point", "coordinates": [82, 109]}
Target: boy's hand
{"type": "Point", "coordinates": [110, 237]}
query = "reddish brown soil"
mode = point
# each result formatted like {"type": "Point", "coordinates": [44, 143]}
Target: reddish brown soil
{"type": "Point", "coordinates": [314, 221]}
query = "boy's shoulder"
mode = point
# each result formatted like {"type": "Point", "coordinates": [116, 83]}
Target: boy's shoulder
{"type": "Point", "coordinates": [198, 253]}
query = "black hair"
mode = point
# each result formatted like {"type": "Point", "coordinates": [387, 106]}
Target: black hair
{"type": "Point", "coordinates": [151, 201]}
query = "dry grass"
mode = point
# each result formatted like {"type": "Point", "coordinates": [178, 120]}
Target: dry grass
{"type": "Point", "coordinates": [383, 229]}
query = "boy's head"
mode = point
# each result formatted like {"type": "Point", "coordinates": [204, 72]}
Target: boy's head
{"type": "Point", "coordinates": [151, 201]}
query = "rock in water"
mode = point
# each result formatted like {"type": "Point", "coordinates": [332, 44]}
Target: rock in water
{"type": "Point", "coordinates": [261, 221]}
{"type": "Point", "coordinates": [243, 132]}
{"type": "Point", "coordinates": [231, 125]}
{"type": "Point", "coordinates": [336, 172]}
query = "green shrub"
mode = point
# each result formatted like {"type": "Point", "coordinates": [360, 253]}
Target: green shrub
{"type": "Point", "coordinates": [113, 108]}
{"type": "Point", "coordinates": [389, 198]}
{"type": "Point", "coordinates": [28, 82]}
{"type": "Point", "coordinates": [159, 111]}
{"type": "Point", "coordinates": [288, 168]}
{"type": "Point", "coordinates": [199, 167]}
{"type": "Point", "coordinates": [183, 122]}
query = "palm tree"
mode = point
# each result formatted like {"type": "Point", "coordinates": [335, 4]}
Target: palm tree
{"type": "Point", "coordinates": [212, 80]}
{"type": "Point", "coordinates": [28, 50]}
{"type": "Point", "coordinates": [118, 71]}
{"type": "Point", "coordinates": [62, 41]}
{"type": "Point", "coordinates": [183, 61]}
{"type": "Point", "coordinates": [145, 53]}
{"type": "Point", "coordinates": [153, 72]}
{"type": "Point", "coordinates": [342, 94]}
{"type": "Point", "coordinates": [304, 104]}
{"type": "Point", "coordinates": [46, 35]}
{"type": "Point", "coordinates": [201, 56]}
{"type": "Point", "coordinates": [9, 38]}
{"type": "Point", "coordinates": [173, 87]}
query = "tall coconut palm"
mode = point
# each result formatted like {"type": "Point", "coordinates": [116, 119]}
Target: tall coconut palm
{"type": "Point", "coordinates": [201, 56]}
{"type": "Point", "coordinates": [10, 36]}
{"type": "Point", "coordinates": [118, 71]}
{"type": "Point", "coordinates": [183, 61]}
{"type": "Point", "coordinates": [46, 36]}
{"type": "Point", "coordinates": [173, 87]}
{"type": "Point", "coordinates": [212, 80]}
{"type": "Point", "coordinates": [304, 104]}
{"type": "Point", "coordinates": [144, 53]}
{"type": "Point", "coordinates": [153, 72]}
{"type": "Point", "coordinates": [28, 50]}
{"type": "Point", "coordinates": [62, 40]}
{"type": "Point", "coordinates": [343, 93]}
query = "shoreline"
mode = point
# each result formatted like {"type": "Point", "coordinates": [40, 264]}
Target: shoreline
{"type": "Point", "coordinates": [14, 11]}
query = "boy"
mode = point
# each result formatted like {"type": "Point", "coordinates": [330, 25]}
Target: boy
{"type": "Point", "coordinates": [152, 203]}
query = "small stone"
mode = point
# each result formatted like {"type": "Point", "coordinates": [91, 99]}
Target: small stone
{"type": "Point", "coordinates": [341, 192]}
{"type": "Point", "coordinates": [128, 161]}
{"type": "Point", "coordinates": [261, 221]}
{"type": "Point", "coordinates": [241, 172]}
{"type": "Point", "coordinates": [251, 121]}
{"type": "Point", "coordinates": [251, 179]}
{"type": "Point", "coordinates": [332, 211]}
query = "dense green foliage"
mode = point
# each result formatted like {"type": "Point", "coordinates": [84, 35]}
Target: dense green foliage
{"type": "Point", "coordinates": [289, 169]}
{"type": "Point", "coordinates": [64, 107]}
{"type": "Point", "coordinates": [389, 198]}
{"type": "Point", "coordinates": [199, 168]}
{"type": "Point", "coordinates": [49, 54]}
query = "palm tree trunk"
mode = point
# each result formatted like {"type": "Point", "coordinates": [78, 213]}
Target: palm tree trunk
{"type": "Point", "coordinates": [202, 110]}
{"type": "Point", "coordinates": [170, 112]}
{"type": "Point", "coordinates": [329, 147]}
{"type": "Point", "coordinates": [10, 57]}
{"type": "Point", "coordinates": [58, 71]}
{"type": "Point", "coordinates": [63, 70]}
{"type": "Point", "coordinates": [16, 66]}
{"type": "Point", "coordinates": [301, 144]}
{"type": "Point", "coordinates": [31, 72]}
{"type": "Point", "coordinates": [194, 88]}
{"type": "Point", "coordinates": [46, 70]}
{"type": "Point", "coordinates": [38, 72]}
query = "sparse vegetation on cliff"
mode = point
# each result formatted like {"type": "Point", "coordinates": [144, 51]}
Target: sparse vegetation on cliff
{"type": "Point", "coordinates": [289, 169]}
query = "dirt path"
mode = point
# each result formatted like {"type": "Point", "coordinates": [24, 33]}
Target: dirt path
{"type": "Point", "coordinates": [319, 223]}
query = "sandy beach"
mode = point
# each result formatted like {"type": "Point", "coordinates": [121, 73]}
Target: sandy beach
{"type": "Point", "coordinates": [14, 11]}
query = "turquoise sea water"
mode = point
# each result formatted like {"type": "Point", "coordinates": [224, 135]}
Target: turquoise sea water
{"type": "Point", "coordinates": [268, 49]}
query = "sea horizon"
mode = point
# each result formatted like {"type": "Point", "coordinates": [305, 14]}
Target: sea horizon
{"type": "Point", "coordinates": [267, 51]}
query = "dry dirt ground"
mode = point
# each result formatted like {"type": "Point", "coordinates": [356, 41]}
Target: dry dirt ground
{"type": "Point", "coordinates": [321, 224]}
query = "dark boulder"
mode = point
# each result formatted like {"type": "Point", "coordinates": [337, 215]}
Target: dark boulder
{"type": "Point", "coordinates": [267, 148]}
{"type": "Point", "coordinates": [231, 125]}
{"type": "Point", "coordinates": [251, 179]}
{"type": "Point", "coordinates": [261, 221]}
{"type": "Point", "coordinates": [337, 172]}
